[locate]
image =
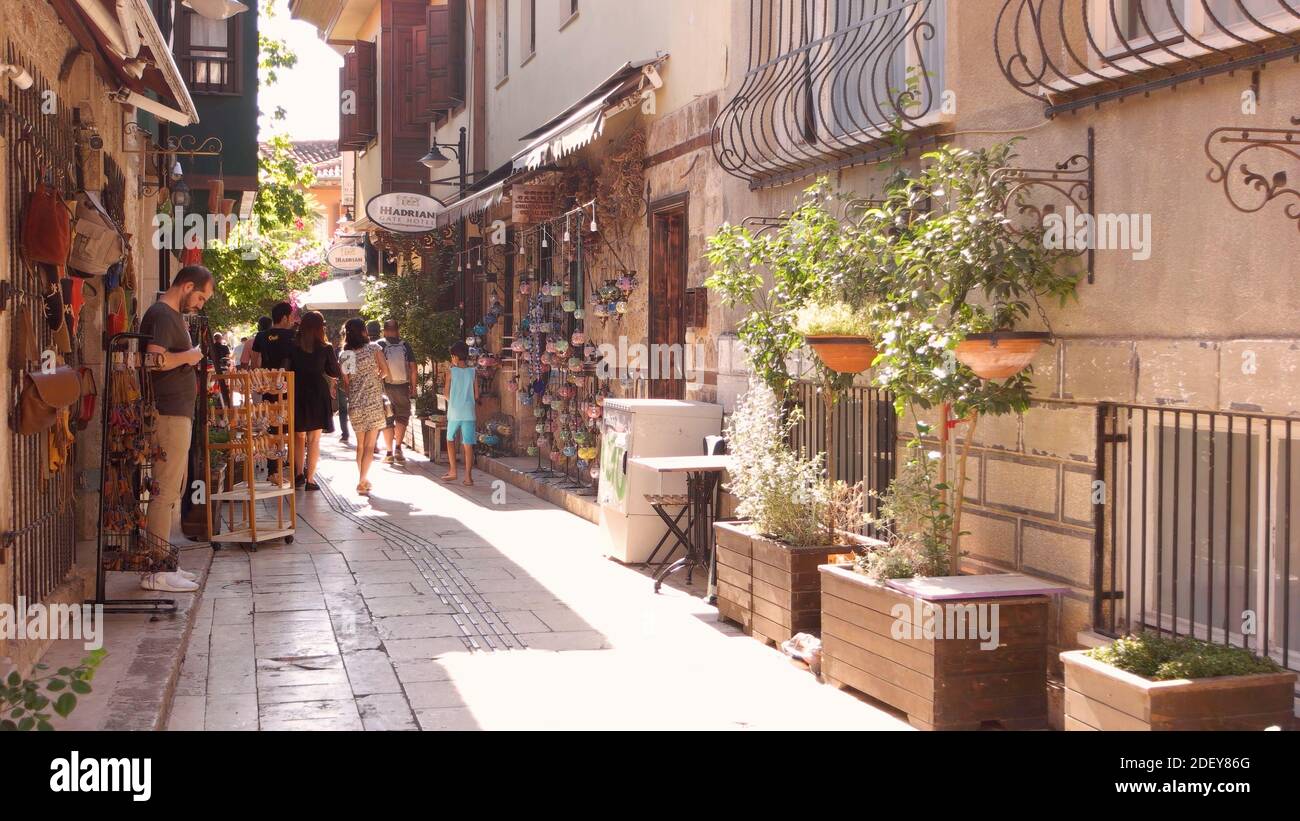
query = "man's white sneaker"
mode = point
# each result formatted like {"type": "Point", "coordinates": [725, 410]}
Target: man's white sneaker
{"type": "Point", "coordinates": [168, 582]}
{"type": "Point", "coordinates": [187, 575]}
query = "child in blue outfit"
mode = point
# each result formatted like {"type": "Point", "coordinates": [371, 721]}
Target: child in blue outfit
{"type": "Point", "coordinates": [461, 401]}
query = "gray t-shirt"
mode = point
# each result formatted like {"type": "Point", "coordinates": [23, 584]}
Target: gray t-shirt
{"type": "Point", "coordinates": [174, 390]}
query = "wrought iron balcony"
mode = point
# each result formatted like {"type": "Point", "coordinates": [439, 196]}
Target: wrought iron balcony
{"type": "Point", "coordinates": [831, 83]}
{"type": "Point", "coordinates": [1076, 53]}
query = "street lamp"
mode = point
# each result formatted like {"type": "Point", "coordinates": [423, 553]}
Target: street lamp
{"type": "Point", "coordinates": [180, 191]}
{"type": "Point", "coordinates": [435, 159]}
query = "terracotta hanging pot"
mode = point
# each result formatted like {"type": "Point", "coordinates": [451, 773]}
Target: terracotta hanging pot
{"type": "Point", "coordinates": [843, 354]}
{"type": "Point", "coordinates": [1000, 354]}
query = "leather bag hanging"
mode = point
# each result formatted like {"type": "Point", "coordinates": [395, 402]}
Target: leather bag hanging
{"type": "Point", "coordinates": [96, 243]}
{"type": "Point", "coordinates": [23, 349]}
{"type": "Point", "coordinates": [43, 395]}
{"type": "Point", "coordinates": [47, 227]}
{"type": "Point", "coordinates": [89, 396]}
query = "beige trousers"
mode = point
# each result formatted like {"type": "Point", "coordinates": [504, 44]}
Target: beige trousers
{"type": "Point", "coordinates": [174, 438]}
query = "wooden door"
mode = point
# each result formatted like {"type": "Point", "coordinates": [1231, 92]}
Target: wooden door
{"type": "Point", "coordinates": [667, 288]}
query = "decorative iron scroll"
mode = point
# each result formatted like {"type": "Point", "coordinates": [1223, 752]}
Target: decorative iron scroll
{"type": "Point", "coordinates": [1075, 53]}
{"type": "Point", "coordinates": [1256, 187]}
{"type": "Point", "coordinates": [1071, 181]}
{"type": "Point", "coordinates": [830, 83]}
{"type": "Point", "coordinates": [425, 243]}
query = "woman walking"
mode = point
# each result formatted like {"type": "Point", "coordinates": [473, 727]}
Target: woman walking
{"type": "Point", "coordinates": [364, 372]}
{"type": "Point", "coordinates": [313, 359]}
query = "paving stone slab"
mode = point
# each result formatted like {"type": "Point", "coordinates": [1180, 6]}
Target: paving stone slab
{"type": "Point", "coordinates": [386, 711]}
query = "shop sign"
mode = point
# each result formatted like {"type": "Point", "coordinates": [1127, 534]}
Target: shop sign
{"type": "Point", "coordinates": [348, 258]}
{"type": "Point", "coordinates": [403, 213]}
{"type": "Point", "coordinates": [532, 203]}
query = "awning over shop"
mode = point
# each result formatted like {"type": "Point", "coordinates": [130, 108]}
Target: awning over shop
{"type": "Point", "coordinates": [340, 294]}
{"type": "Point", "coordinates": [584, 121]}
{"type": "Point", "coordinates": [128, 48]}
{"type": "Point", "coordinates": [474, 203]}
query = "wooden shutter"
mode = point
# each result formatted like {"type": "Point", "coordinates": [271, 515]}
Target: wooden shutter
{"type": "Point", "coordinates": [367, 91]}
{"type": "Point", "coordinates": [438, 46]}
{"type": "Point", "coordinates": [457, 64]}
{"type": "Point", "coordinates": [421, 79]}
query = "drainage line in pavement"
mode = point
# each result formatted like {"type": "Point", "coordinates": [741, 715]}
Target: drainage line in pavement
{"type": "Point", "coordinates": [454, 592]}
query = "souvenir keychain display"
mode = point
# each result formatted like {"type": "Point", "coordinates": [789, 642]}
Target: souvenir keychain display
{"type": "Point", "coordinates": [254, 427]}
{"type": "Point", "coordinates": [130, 424]}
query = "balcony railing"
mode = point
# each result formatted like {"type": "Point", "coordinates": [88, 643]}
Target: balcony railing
{"type": "Point", "coordinates": [1076, 53]}
{"type": "Point", "coordinates": [830, 83]}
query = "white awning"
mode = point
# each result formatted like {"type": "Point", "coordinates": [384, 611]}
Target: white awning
{"type": "Point", "coordinates": [473, 204]}
{"type": "Point", "coordinates": [339, 294]}
{"type": "Point", "coordinates": [583, 122]}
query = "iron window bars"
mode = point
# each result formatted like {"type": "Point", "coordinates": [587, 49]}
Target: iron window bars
{"type": "Point", "coordinates": [1195, 526]}
{"type": "Point", "coordinates": [1076, 53]}
{"type": "Point", "coordinates": [831, 83]}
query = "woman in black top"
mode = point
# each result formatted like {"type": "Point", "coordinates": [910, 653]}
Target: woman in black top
{"type": "Point", "coordinates": [313, 360]}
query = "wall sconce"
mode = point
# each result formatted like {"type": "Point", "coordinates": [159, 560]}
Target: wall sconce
{"type": "Point", "coordinates": [18, 75]}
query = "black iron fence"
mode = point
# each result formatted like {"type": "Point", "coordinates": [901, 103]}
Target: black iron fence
{"type": "Point", "coordinates": [864, 433]}
{"type": "Point", "coordinates": [1196, 526]}
{"type": "Point", "coordinates": [40, 147]}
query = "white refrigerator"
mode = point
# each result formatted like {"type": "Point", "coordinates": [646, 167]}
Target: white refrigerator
{"type": "Point", "coordinates": [636, 428]}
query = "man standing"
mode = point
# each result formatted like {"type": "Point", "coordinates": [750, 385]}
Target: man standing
{"type": "Point", "coordinates": [175, 388]}
{"type": "Point", "coordinates": [273, 348]}
{"type": "Point", "coordinates": [399, 388]}
{"type": "Point", "coordinates": [221, 362]}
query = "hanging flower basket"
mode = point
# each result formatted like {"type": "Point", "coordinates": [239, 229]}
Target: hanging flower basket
{"type": "Point", "coordinates": [843, 354]}
{"type": "Point", "coordinates": [1000, 354]}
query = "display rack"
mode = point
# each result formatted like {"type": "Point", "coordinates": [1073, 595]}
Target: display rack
{"type": "Point", "coordinates": [129, 421]}
{"type": "Point", "coordinates": [254, 427]}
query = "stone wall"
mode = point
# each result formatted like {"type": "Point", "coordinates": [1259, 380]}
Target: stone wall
{"type": "Point", "coordinates": [38, 36]}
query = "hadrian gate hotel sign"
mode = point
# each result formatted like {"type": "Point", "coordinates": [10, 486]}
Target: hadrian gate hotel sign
{"type": "Point", "coordinates": [404, 213]}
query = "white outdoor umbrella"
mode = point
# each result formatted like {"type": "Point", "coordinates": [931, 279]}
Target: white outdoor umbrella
{"type": "Point", "coordinates": [339, 294]}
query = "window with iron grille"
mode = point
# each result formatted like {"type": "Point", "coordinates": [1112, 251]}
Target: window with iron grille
{"type": "Point", "coordinates": [829, 83]}
{"type": "Point", "coordinates": [1200, 534]}
{"type": "Point", "coordinates": [1076, 53]}
{"type": "Point", "coordinates": [208, 52]}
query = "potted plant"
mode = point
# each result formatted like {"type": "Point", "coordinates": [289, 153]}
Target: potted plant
{"type": "Point", "coordinates": [999, 354]}
{"type": "Point", "coordinates": [948, 265]}
{"type": "Point", "coordinates": [1154, 682]}
{"type": "Point", "coordinates": [768, 581]}
{"type": "Point", "coordinates": [839, 334]}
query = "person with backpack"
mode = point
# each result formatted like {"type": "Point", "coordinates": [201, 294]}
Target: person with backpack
{"type": "Point", "coordinates": [399, 388]}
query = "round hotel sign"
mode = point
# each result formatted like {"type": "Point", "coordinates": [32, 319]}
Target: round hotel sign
{"type": "Point", "coordinates": [403, 213]}
{"type": "Point", "coordinates": [347, 257]}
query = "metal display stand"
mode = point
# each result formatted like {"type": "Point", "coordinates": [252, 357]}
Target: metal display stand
{"type": "Point", "coordinates": [257, 425]}
{"type": "Point", "coordinates": [129, 421]}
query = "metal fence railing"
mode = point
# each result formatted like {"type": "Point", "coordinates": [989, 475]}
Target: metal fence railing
{"type": "Point", "coordinates": [1197, 534]}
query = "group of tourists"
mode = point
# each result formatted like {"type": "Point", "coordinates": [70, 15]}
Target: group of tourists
{"type": "Point", "coordinates": [369, 380]}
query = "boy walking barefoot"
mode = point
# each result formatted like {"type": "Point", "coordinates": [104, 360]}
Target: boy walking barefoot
{"type": "Point", "coordinates": [461, 402]}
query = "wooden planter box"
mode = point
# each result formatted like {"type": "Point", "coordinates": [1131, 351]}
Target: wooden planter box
{"type": "Point", "coordinates": [1099, 696]}
{"type": "Point", "coordinates": [770, 589]}
{"type": "Point", "coordinates": [941, 683]}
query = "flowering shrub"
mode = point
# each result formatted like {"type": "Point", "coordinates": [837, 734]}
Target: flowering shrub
{"type": "Point", "coordinates": [782, 493]}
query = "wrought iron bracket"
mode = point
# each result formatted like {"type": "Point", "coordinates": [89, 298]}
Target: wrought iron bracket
{"type": "Point", "coordinates": [1073, 179]}
{"type": "Point", "coordinates": [1242, 143]}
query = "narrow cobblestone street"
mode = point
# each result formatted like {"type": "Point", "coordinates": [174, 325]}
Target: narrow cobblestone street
{"type": "Point", "coordinates": [429, 607]}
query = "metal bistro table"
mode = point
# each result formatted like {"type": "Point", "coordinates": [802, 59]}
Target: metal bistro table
{"type": "Point", "coordinates": [703, 474]}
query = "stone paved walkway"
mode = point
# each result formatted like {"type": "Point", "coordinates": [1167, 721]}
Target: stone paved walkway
{"type": "Point", "coordinates": [430, 607]}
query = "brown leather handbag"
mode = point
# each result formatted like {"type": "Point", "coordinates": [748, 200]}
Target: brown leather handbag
{"type": "Point", "coordinates": [43, 395]}
{"type": "Point", "coordinates": [47, 227]}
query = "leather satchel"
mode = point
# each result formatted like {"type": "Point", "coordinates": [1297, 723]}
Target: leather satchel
{"type": "Point", "coordinates": [47, 227]}
{"type": "Point", "coordinates": [43, 395]}
{"type": "Point", "coordinates": [89, 396]}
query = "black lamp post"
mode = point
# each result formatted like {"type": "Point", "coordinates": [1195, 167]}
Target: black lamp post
{"type": "Point", "coordinates": [435, 160]}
